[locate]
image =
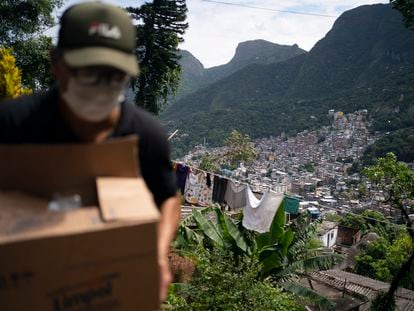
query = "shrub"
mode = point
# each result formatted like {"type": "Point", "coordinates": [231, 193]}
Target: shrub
{"type": "Point", "coordinates": [10, 76]}
{"type": "Point", "coordinates": [219, 284]}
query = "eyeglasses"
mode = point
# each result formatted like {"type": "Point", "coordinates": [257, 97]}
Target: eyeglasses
{"type": "Point", "coordinates": [95, 75]}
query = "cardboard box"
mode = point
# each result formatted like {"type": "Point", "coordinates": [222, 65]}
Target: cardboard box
{"type": "Point", "coordinates": [99, 257]}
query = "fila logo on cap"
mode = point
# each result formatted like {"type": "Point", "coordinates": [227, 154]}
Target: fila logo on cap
{"type": "Point", "coordinates": [104, 30]}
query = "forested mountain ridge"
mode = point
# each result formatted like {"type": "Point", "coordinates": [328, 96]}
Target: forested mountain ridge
{"type": "Point", "coordinates": [195, 76]}
{"type": "Point", "coordinates": [365, 61]}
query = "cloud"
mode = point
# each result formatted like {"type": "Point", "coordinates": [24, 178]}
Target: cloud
{"type": "Point", "coordinates": [216, 29]}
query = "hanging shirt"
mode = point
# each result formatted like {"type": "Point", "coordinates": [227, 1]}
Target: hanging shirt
{"type": "Point", "coordinates": [258, 214]}
{"type": "Point", "coordinates": [198, 190]}
{"type": "Point", "coordinates": [181, 173]}
{"type": "Point", "coordinates": [235, 195]}
{"type": "Point", "coordinates": [219, 189]}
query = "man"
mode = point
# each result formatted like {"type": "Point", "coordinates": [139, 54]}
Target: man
{"type": "Point", "coordinates": [92, 64]}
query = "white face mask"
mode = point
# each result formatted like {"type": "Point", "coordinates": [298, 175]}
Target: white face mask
{"type": "Point", "coordinates": [92, 102]}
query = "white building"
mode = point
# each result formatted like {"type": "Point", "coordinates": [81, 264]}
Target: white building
{"type": "Point", "coordinates": [328, 232]}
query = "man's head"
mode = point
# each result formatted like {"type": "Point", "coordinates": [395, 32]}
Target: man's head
{"type": "Point", "coordinates": [96, 34]}
{"type": "Point", "coordinates": [94, 59]}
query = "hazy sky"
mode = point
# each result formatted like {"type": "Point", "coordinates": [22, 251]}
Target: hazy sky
{"type": "Point", "coordinates": [215, 29]}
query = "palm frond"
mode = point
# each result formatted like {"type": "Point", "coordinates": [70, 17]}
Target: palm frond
{"type": "Point", "coordinates": [308, 293]}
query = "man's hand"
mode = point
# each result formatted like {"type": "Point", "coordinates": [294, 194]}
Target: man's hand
{"type": "Point", "coordinates": [170, 217]}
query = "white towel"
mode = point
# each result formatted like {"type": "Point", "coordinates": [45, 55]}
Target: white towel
{"type": "Point", "coordinates": [259, 214]}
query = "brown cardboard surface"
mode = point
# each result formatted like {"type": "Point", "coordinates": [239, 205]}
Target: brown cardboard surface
{"type": "Point", "coordinates": [25, 217]}
{"type": "Point", "coordinates": [46, 170]}
{"type": "Point", "coordinates": [118, 198]}
{"type": "Point", "coordinates": [89, 258]}
{"type": "Point", "coordinates": [114, 269]}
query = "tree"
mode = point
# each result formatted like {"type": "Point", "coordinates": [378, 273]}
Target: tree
{"type": "Point", "coordinates": [21, 28]}
{"type": "Point", "coordinates": [10, 76]}
{"type": "Point", "coordinates": [371, 221]}
{"type": "Point", "coordinates": [219, 284]}
{"type": "Point", "coordinates": [283, 253]}
{"type": "Point", "coordinates": [241, 149]}
{"type": "Point", "coordinates": [396, 180]}
{"type": "Point", "coordinates": [208, 163]}
{"type": "Point", "coordinates": [406, 8]}
{"type": "Point", "coordinates": [160, 27]}
{"type": "Point", "coordinates": [382, 259]}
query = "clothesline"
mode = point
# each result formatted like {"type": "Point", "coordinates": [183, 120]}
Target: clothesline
{"type": "Point", "coordinates": [201, 188]}
{"type": "Point", "coordinates": [214, 174]}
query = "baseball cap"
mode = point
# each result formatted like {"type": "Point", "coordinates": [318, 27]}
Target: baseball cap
{"type": "Point", "coordinates": [96, 33]}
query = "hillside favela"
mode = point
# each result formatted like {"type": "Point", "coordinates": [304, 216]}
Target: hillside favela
{"type": "Point", "coordinates": [135, 177]}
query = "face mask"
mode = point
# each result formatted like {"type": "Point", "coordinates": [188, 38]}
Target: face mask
{"type": "Point", "coordinates": [92, 102]}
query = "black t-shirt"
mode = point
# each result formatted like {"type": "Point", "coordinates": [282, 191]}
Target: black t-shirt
{"type": "Point", "coordinates": [36, 119]}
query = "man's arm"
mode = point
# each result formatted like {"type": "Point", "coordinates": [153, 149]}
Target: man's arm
{"type": "Point", "coordinates": [170, 217]}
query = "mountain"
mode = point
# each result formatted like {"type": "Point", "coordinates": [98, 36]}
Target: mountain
{"type": "Point", "coordinates": [192, 74]}
{"type": "Point", "coordinates": [195, 76]}
{"type": "Point", "coordinates": [253, 52]}
{"type": "Point", "coordinates": [366, 61]}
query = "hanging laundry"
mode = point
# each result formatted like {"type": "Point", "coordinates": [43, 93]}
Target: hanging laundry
{"type": "Point", "coordinates": [258, 214]}
{"type": "Point", "coordinates": [196, 190]}
{"type": "Point", "coordinates": [292, 205]}
{"type": "Point", "coordinates": [181, 173]}
{"type": "Point", "coordinates": [235, 195]}
{"type": "Point", "coordinates": [219, 189]}
{"type": "Point", "coordinates": [206, 190]}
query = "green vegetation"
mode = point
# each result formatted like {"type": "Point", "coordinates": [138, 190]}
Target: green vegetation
{"type": "Point", "coordinates": [278, 258]}
{"type": "Point", "coordinates": [406, 7]}
{"type": "Point", "coordinates": [382, 259]}
{"type": "Point", "coordinates": [379, 303]}
{"type": "Point", "coordinates": [22, 26]}
{"type": "Point", "coordinates": [208, 163]}
{"type": "Point", "coordinates": [371, 221]}
{"type": "Point", "coordinates": [219, 284]}
{"type": "Point", "coordinates": [240, 149]}
{"type": "Point", "coordinates": [396, 180]}
{"type": "Point", "coordinates": [195, 76]}
{"type": "Point", "coordinates": [296, 94]}
{"type": "Point", "coordinates": [399, 142]}
{"type": "Point", "coordinates": [159, 31]}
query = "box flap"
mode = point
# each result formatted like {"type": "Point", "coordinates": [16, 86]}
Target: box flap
{"type": "Point", "coordinates": [24, 217]}
{"type": "Point", "coordinates": [65, 169]}
{"type": "Point", "coordinates": [125, 199]}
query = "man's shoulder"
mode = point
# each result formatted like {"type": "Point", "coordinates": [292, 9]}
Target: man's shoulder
{"type": "Point", "coordinates": [25, 104]}
{"type": "Point", "coordinates": [142, 121]}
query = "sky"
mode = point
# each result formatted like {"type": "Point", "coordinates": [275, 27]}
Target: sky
{"type": "Point", "coordinates": [215, 28]}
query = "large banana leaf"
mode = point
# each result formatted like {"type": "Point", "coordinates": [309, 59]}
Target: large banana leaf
{"type": "Point", "coordinates": [308, 293]}
{"type": "Point", "coordinates": [234, 232]}
{"type": "Point", "coordinates": [208, 228]}
{"type": "Point", "coordinates": [285, 241]}
{"type": "Point", "coordinates": [270, 259]}
{"type": "Point", "coordinates": [222, 226]}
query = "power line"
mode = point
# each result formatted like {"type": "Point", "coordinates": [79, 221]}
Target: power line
{"type": "Point", "coordinates": [401, 226]}
{"type": "Point", "coordinates": [270, 9]}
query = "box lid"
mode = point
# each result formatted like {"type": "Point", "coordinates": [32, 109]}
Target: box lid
{"type": "Point", "coordinates": [47, 170]}
{"type": "Point", "coordinates": [106, 173]}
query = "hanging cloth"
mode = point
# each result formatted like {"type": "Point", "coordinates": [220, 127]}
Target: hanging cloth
{"type": "Point", "coordinates": [181, 174]}
{"type": "Point", "coordinates": [235, 195]}
{"type": "Point", "coordinates": [219, 189]}
{"type": "Point", "coordinates": [258, 214]}
{"type": "Point", "coordinates": [205, 189]}
{"type": "Point", "coordinates": [192, 188]}
{"type": "Point", "coordinates": [197, 190]}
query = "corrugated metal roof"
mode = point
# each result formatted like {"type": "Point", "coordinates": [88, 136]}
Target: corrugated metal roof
{"type": "Point", "coordinates": [361, 285]}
